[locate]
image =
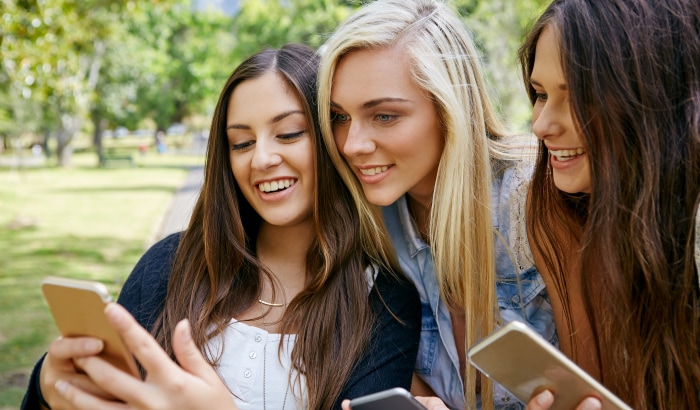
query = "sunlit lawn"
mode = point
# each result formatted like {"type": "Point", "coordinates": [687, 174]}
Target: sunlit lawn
{"type": "Point", "coordinates": [82, 222]}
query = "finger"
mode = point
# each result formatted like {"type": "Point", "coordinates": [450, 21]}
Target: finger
{"type": "Point", "coordinates": [68, 347]}
{"type": "Point", "coordinates": [432, 403]}
{"type": "Point", "coordinates": [590, 403]}
{"type": "Point", "coordinates": [189, 356]}
{"type": "Point", "coordinates": [137, 339]}
{"type": "Point", "coordinates": [111, 379]}
{"type": "Point", "coordinates": [79, 399]}
{"type": "Point", "coordinates": [541, 401]}
{"type": "Point", "coordinates": [86, 384]}
{"type": "Point", "coordinates": [345, 404]}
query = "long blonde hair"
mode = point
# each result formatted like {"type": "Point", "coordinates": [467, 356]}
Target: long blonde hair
{"type": "Point", "coordinates": [444, 63]}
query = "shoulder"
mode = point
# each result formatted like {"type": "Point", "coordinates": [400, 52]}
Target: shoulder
{"type": "Point", "coordinates": [394, 295]}
{"type": "Point", "coordinates": [145, 288]}
{"type": "Point", "coordinates": [510, 190]}
{"type": "Point", "coordinates": [394, 283]}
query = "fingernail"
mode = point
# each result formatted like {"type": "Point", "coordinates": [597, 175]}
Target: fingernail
{"type": "Point", "coordinates": [187, 336]}
{"type": "Point", "coordinates": [591, 403]}
{"type": "Point", "coordinates": [113, 314]}
{"type": "Point", "coordinates": [544, 398]}
{"type": "Point", "coordinates": [61, 386]}
{"type": "Point", "coordinates": [93, 345]}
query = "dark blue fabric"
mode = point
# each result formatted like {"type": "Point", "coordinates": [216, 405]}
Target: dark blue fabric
{"type": "Point", "coordinates": [388, 361]}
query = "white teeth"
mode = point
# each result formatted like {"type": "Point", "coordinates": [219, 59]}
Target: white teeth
{"type": "Point", "coordinates": [275, 185]}
{"type": "Point", "coordinates": [567, 154]}
{"type": "Point", "coordinates": [373, 171]}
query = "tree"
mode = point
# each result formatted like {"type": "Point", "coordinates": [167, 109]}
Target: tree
{"type": "Point", "coordinates": [499, 26]}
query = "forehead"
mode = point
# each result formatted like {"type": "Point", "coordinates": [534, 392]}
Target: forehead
{"type": "Point", "coordinates": [262, 97]}
{"type": "Point", "coordinates": [374, 72]}
{"type": "Point", "coordinates": [547, 62]}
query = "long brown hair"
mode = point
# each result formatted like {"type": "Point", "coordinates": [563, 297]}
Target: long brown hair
{"type": "Point", "coordinates": [633, 73]}
{"type": "Point", "coordinates": [216, 275]}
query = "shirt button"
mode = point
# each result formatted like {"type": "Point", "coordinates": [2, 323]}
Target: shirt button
{"type": "Point", "coordinates": [252, 355]}
{"type": "Point", "coordinates": [515, 299]}
{"type": "Point", "coordinates": [258, 338]}
{"type": "Point", "coordinates": [246, 374]}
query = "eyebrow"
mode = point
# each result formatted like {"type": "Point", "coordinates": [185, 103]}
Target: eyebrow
{"type": "Point", "coordinates": [373, 103]}
{"type": "Point", "coordinates": [275, 119]}
{"type": "Point", "coordinates": [562, 87]}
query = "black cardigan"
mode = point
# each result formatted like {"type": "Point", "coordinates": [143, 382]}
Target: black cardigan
{"type": "Point", "coordinates": [388, 361]}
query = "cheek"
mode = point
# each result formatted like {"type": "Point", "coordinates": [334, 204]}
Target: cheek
{"type": "Point", "coordinates": [340, 135]}
{"type": "Point", "coordinates": [240, 174]}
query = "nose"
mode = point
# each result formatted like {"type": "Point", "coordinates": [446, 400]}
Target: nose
{"type": "Point", "coordinates": [265, 155]}
{"type": "Point", "coordinates": [547, 121]}
{"type": "Point", "coordinates": [358, 141]}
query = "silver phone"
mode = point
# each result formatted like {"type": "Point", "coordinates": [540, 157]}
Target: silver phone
{"type": "Point", "coordinates": [523, 362]}
{"type": "Point", "coordinates": [393, 399]}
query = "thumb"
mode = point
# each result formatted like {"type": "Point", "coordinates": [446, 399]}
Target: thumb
{"type": "Point", "coordinates": [187, 353]}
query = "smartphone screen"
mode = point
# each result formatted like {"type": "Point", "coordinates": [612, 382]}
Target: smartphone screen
{"type": "Point", "coordinates": [524, 363]}
{"type": "Point", "coordinates": [392, 399]}
{"type": "Point", "coordinates": [78, 307]}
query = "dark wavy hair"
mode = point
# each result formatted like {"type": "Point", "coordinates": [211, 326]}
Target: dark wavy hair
{"type": "Point", "coordinates": [633, 73]}
{"type": "Point", "coordinates": [216, 273]}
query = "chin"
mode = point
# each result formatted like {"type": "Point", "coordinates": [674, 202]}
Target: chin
{"type": "Point", "coordinates": [381, 199]}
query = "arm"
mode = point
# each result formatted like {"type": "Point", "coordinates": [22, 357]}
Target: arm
{"type": "Point", "coordinates": [192, 385]}
{"type": "Point", "coordinates": [142, 294]}
{"type": "Point", "coordinates": [391, 353]}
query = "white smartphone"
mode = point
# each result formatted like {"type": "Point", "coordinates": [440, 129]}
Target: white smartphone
{"type": "Point", "coordinates": [392, 399]}
{"type": "Point", "coordinates": [523, 362]}
{"type": "Point", "coordinates": [78, 307]}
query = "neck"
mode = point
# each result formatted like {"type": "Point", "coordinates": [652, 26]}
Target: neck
{"type": "Point", "coordinates": [283, 250]}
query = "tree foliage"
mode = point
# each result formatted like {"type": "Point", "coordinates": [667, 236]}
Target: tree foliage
{"type": "Point", "coordinates": [72, 66]}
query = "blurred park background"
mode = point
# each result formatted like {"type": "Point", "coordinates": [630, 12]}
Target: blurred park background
{"type": "Point", "coordinates": [105, 107]}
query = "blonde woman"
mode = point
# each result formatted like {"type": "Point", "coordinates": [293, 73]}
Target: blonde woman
{"type": "Point", "coordinates": [407, 120]}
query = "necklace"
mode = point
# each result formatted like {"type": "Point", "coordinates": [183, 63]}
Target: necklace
{"type": "Point", "coordinates": [284, 403]}
{"type": "Point", "coordinates": [262, 302]}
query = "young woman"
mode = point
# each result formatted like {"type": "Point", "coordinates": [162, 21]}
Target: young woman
{"type": "Point", "coordinates": [405, 114]}
{"type": "Point", "coordinates": [292, 300]}
{"type": "Point", "coordinates": [615, 86]}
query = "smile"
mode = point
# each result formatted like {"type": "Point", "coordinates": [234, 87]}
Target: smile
{"type": "Point", "coordinates": [567, 154]}
{"type": "Point", "coordinates": [274, 186]}
{"type": "Point", "coordinates": [373, 171]}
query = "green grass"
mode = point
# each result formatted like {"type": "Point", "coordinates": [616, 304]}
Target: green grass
{"type": "Point", "coordinates": [81, 222]}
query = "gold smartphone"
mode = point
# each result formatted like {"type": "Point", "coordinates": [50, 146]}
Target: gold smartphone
{"type": "Point", "coordinates": [78, 307]}
{"type": "Point", "coordinates": [523, 362]}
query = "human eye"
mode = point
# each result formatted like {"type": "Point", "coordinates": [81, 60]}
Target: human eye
{"type": "Point", "coordinates": [337, 117]}
{"type": "Point", "coordinates": [385, 118]}
{"type": "Point", "coordinates": [540, 97]}
{"type": "Point", "coordinates": [291, 136]}
{"type": "Point", "coordinates": [242, 146]}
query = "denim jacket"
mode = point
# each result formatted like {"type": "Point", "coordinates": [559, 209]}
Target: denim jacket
{"type": "Point", "coordinates": [520, 288]}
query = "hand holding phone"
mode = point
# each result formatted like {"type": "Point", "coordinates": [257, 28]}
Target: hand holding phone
{"type": "Point", "coordinates": [78, 307]}
{"type": "Point", "coordinates": [524, 363]}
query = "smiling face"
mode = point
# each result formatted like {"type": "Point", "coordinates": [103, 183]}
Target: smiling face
{"type": "Point", "coordinates": [272, 152]}
{"type": "Point", "coordinates": [552, 119]}
{"type": "Point", "coordinates": [385, 126]}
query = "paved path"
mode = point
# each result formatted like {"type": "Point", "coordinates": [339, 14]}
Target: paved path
{"type": "Point", "coordinates": [177, 215]}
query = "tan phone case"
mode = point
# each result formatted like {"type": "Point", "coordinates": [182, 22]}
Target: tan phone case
{"type": "Point", "coordinates": [520, 360]}
{"type": "Point", "coordinates": [78, 307]}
